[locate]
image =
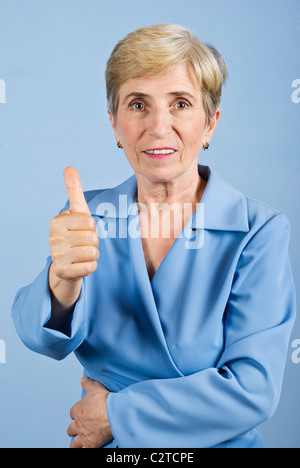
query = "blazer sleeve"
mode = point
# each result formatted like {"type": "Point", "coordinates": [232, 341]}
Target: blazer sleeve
{"type": "Point", "coordinates": [31, 311]}
{"type": "Point", "coordinates": [219, 404]}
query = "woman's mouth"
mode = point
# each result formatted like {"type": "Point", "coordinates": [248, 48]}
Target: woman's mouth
{"type": "Point", "coordinates": [160, 153]}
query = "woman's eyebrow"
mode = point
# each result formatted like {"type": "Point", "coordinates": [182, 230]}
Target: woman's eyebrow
{"type": "Point", "coordinates": [145, 96]}
{"type": "Point", "coordinates": [181, 94]}
{"type": "Point", "coordinates": [135, 95]}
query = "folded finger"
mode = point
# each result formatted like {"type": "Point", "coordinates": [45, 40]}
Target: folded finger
{"type": "Point", "coordinates": [83, 254]}
{"type": "Point", "coordinates": [82, 238]}
{"type": "Point", "coordinates": [72, 429]}
{"type": "Point", "coordinates": [79, 222]}
{"type": "Point", "coordinates": [76, 443]}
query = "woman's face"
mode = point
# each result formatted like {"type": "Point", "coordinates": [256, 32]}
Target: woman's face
{"type": "Point", "coordinates": [162, 125]}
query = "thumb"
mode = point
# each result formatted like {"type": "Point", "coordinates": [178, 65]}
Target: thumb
{"type": "Point", "coordinates": [90, 385]}
{"type": "Point", "coordinates": [74, 191]}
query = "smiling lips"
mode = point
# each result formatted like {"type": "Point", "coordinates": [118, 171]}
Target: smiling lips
{"type": "Point", "coordinates": [160, 153]}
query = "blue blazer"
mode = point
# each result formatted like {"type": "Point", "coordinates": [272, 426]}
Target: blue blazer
{"type": "Point", "coordinates": [194, 358]}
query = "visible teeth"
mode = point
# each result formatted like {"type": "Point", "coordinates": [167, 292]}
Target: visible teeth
{"type": "Point", "coordinates": [166, 151]}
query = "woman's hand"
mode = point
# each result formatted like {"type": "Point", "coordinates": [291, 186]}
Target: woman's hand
{"type": "Point", "coordinates": [90, 427]}
{"type": "Point", "coordinates": [73, 244]}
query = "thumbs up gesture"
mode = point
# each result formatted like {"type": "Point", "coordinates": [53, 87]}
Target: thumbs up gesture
{"type": "Point", "coordinates": [73, 243]}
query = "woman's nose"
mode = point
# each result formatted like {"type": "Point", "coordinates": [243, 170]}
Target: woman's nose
{"type": "Point", "coordinates": [159, 124]}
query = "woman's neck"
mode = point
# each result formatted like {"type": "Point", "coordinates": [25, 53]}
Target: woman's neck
{"type": "Point", "coordinates": [188, 188]}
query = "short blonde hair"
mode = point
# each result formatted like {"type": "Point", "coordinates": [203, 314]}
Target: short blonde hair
{"type": "Point", "coordinates": [155, 50]}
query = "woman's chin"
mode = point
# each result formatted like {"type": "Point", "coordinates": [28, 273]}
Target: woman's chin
{"type": "Point", "coordinates": [159, 175]}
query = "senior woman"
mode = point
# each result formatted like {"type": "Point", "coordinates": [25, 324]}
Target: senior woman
{"type": "Point", "coordinates": [182, 332]}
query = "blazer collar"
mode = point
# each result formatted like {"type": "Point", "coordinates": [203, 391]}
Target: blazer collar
{"type": "Point", "coordinates": [225, 208]}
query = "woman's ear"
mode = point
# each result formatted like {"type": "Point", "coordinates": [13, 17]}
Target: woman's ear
{"type": "Point", "coordinates": [112, 119]}
{"type": "Point", "coordinates": [113, 123]}
{"type": "Point", "coordinates": [212, 126]}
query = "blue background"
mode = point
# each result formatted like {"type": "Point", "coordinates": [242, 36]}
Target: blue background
{"type": "Point", "coordinates": [52, 59]}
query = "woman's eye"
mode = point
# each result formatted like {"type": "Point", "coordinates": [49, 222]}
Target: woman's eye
{"type": "Point", "coordinates": [138, 106]}
{"type": "Point", "coordinates": [181, 105]}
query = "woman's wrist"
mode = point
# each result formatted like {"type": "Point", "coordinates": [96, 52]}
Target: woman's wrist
{"type": "Point", "coordinates": [64, 294]}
